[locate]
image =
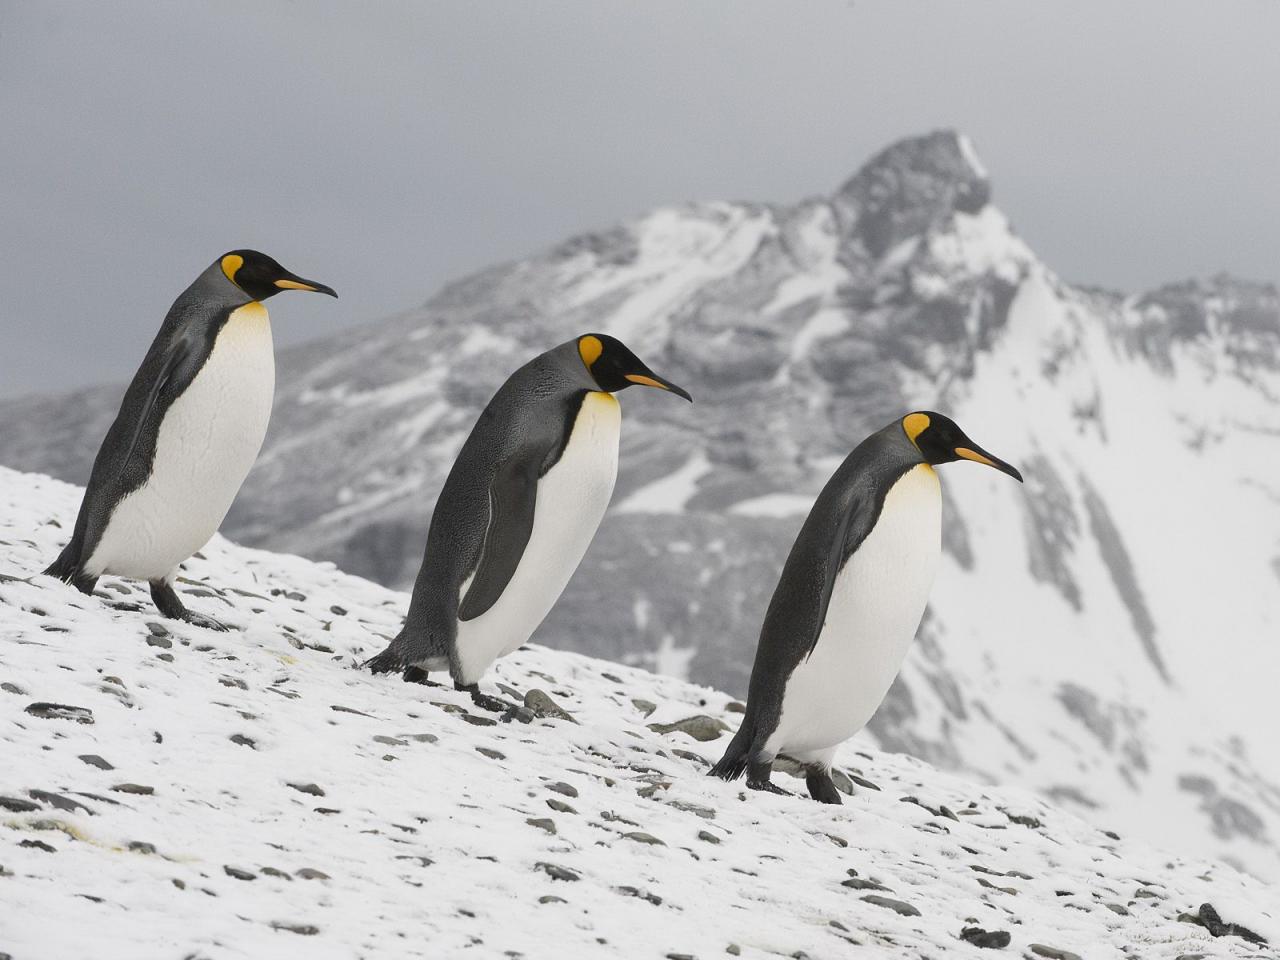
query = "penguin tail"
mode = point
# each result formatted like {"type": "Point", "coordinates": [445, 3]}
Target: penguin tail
{"type": "Point", "coordinates": [388, 661]}
{"type": "Point", "coordinates": [67, 568]}
{"type": "Point", "coordinates": [734, 762]}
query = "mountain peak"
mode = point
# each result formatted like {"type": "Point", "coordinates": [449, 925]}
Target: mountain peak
{"type": "Point", "coordinates": [910, 186]}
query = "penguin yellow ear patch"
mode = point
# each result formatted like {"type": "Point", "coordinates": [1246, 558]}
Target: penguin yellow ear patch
{"type": "Point", "coordinates": [230, 264]}
{"type": "Point", "coordinates": [915, 424]}
{"type": "Point", "coordinates": [589, 349]}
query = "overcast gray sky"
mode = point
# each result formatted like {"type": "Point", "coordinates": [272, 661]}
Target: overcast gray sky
{"type": "Point", "coordinates": [385, 148]}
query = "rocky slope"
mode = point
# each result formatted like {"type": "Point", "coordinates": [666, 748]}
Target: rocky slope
{"type": "Point", "coordinates": [1104, 634]}
{"type": "Point", "coordinates": [171, 790]}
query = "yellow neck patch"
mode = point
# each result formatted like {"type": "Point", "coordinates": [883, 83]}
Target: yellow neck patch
{"type": "Point", "coordinates": [589, 349]}
{"type": "Point", "coordinates": [230, 264]}
{"type": "Point", "coordinates": [914, 424]}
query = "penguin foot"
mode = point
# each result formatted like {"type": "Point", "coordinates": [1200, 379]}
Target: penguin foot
{"type": "Point", "coordinates": [167, 602]}
{"type": "Point", "coordinates": [486, 702]}
{"type": "Point", "coordinates": [416, 675]}
{"type": "Point", "coordinates": [821, 787]}
{"type": "Point", "coordinates": [767, 786]}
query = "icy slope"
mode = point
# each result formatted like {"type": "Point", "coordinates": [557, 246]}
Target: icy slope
{"type": "Point", "coordinates": [251, 794]}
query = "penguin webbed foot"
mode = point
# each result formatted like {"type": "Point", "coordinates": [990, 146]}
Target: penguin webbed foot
{"type": "Point", "coordinates": [168, 603]}
{"type": "Point", "coordinates": [758, 778]}
{"type": "Point", "coordinates": [416, 675]}
{"type": "Point", "coordinates": [487, 702]}
{"type": "Point", "coordinates": [821, 787]}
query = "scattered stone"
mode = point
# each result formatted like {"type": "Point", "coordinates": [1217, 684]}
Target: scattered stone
{"type": "Point", "coordinates": [707, 836]}
{"type": "Point", "coordinates": [13, 688]}
{"type": "Point", "coordinates": [544, 707]}
{"type": "Point", "coordinates": [559, 806]}
{"type": "Point", "coordinates": [308, 873]}
{"type": "Point", "coordinates": [639, 836]}
{"type": "Point", "coordinates": [692, 757]}
{"type": "Point", "coordinates": [390, 741]}
{"type": "Point", "coordinates": [735, 706]}
{"type": "Point", "coordinates": [551, 898]}
{"type": "Point", "coordinates": [242, 740]}
{"type": "Point", "coordinates": [733, 950]}
{"type": "Point", "coordinates": [18, 805]}
{"type": "Point", "coordinates": [139, 846]}
{"type": "Point", "coordinates": [479, 721]}
{"type": "Point", "coordinates": [640, 894]}
{"type": "Point", "coordinates": [556, 872]}
{"type": "Point", "coordinates": [238, 873]}
{"type": "Point", "coordinates": [134, 788]}
{"type": "Point", "coordinates": [1053, 953]}
{"type": "Point", "coordinates": [93, 760]}
{"type": "Point", "coordinates": [857, 883]}
{"type": "Point", "coordinates": [610, 676]}
{"type": "Point", "coordinates": [542, 823]}
{"type": "Point", "coordinates": [644, 706]}
{"type": "Point", "coordinates": [168, 658]}
{"type": "Point", "coordinates": [706, 813]}
{"type": "Point", "coordinates": [313, 789]}
{"type": "Point", "coordinates": [563, 788]}
{"type": "Point", "coordinates": [421, 737]}
{"type": "Point", "coordinates": [897, 906]}
{"type": "Point", "coordinates": [701, 727]}
{"type": "Point", "coordinates": [338, 611]}
{"type": "Point", "coordinates": [273, 872]}
{"type": "Point", "coordinates": [491, 753]}
{"type": "Point", "coordinates": [985, 938]}
{"type": "Point", "coordinates": [358, 713]}
{"type": "Point", "coordinates": [611, 817]}
{"type": "Point", "coordinates": [38, 845]}
{"type": "Point", "coordinates": [233, 682]}
{"type": "Point", "coordinates": [57, 801]}
{"type": "Point", "coordinates": [1208, 918]}
{"type": "Point", "coordinates": [60, 711]}
{"type": "Point", "coordinates": [302, 930]}
{"type": "Point", "coordinates": [1117, 909]}
{"type": "Point", "coordinates": [164, 643]}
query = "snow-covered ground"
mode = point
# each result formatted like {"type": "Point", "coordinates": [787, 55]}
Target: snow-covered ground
{"type": "Point", "coordinates": [252, 794]}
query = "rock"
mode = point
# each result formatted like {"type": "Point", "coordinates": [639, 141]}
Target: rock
{"type": "Point", "coordinates": [475, 721]}
{"type": "Point", "coordinates": [701, 727]}
{"type": "Point", "coordinates": [308, 873]}
{"type": "Point", "coordinates": [164, 643]}
{"type": "Point", "coordinates": [242, 740]}
{"type": "Point", "coordinates": [134, 788]}
{"type": "Point", "coordinates": [640, 894]}
{"type": "Point", "coordinates": [542, 823]}
{"type": "Point", "coordinates": [706, 813]}
{"type": "Point", "coordinates": [1208, 918]}
{"type": "Point", "coordinates": [313, 789]}
{"type": "Point", "coordinates": [735, 706]}
{"type": "Point", "coordinates": [60, 711]}
{"type": "Point", "coordinates": [491, 753]}
{"type": "Point", "coordinates": [238, 873]}
{"type": "Point", "coordinates": [691, 757]}
{"type": "Point", "coordinates": [139, 846]}
{"type": "Point", "coordinates": [359, 713]}
{"type": "Point", "coordinates": [273, 872]}
{"type": "Point", "coordinates": [985, 938]}
{"type": "Point", "coordinates": [733, 950]}
{"type": "Point", "coordinates": [551, 898]}
{"type": "Point", "coordinates": [13, 688]}
{"type": "Point", "coordinates": [563, 788]}
{"type": "Point", "coordinates": [857, 883]}
{"type": "Point", "coordinates": [559, 806]}
{"type": "Point", "coordinates": [390, 741]}
{"type": "Point", "coordinates": [644, 706]}
{"type": "Point", "coordinates": [18, 805]}
{"type": "Point", "coordinates": [301, 929]}
{"type": "Point", "coordinates": [93, 760]}
{"type": "Point", "coordinates": [1053, 953]}
{"type": "Point", "coordinates": [544, 707]}
{"type": "Point", "coordinates": [1117, 909]}
{"type": "Point", "coordinates": [57, 801]}
{"type": "Point", "coordinates": [897, 906]}
{"type": "Point", "coordinates": [556, 872]}
{"type": "Point", "coordinates": [338, 611]}
{"type": "Point", "coordinates": [421, 737]}
{"type": "Point", "coordinates": [38, 845]}
{"type": "Point", "coordinates": [707, 836]}
{"type": "Point", "coordinates": [639, 836]}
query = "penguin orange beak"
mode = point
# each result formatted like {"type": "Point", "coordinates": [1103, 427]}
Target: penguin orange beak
{"type": "Point", "coordinates": [653, 380]}
{"type": "Point", "coordinates": [294, 282]}
{"type": "Point", "coordinates": [978, 455]}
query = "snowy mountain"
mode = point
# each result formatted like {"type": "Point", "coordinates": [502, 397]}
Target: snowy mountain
{"type": "Point", "coordinates": [170, 790]}
{"type": "Point", "coordinates": [1105, 634]}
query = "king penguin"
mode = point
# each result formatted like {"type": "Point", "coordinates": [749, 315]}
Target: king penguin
{"type": "Point", "coordinates": [518, 511]}
{"type": "Point", "coordinates": [189, 428]}
{"type": "Point", "coordinates": [851, 595]}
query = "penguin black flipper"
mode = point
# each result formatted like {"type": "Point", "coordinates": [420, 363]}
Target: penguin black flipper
{"type": "Point", "coordinates": [513, 496]}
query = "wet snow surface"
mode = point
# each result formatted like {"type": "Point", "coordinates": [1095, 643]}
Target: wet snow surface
{"type": "Point", "coordinates": [169, 791]}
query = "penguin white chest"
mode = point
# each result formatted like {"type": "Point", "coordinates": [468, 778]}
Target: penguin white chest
{"type": "Point", "coordinates": [207, 441]}
{"type": "Point", "coordinates": [571, 501]}
{"type": "Point", "coordinates": [876, 605]}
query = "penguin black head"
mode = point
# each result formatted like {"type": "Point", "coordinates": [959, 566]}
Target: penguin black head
{"type": "Point", "coordinates": [614, 367]}
{"type": "Point", "coordinates": [260, 277]}
{"type": "Point", "coordinates": [940, 440]}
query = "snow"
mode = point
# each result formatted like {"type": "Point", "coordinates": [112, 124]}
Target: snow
{"type": "Point", "coordinates": [672, 492]}
{"type": "Point", "coordinates": [773, 505]}
{"type": "Point", "coordinates": [414, 842]}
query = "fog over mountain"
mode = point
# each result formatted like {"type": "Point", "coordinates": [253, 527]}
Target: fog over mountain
{"type": "Point", "coordinates": [1105, 634]}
